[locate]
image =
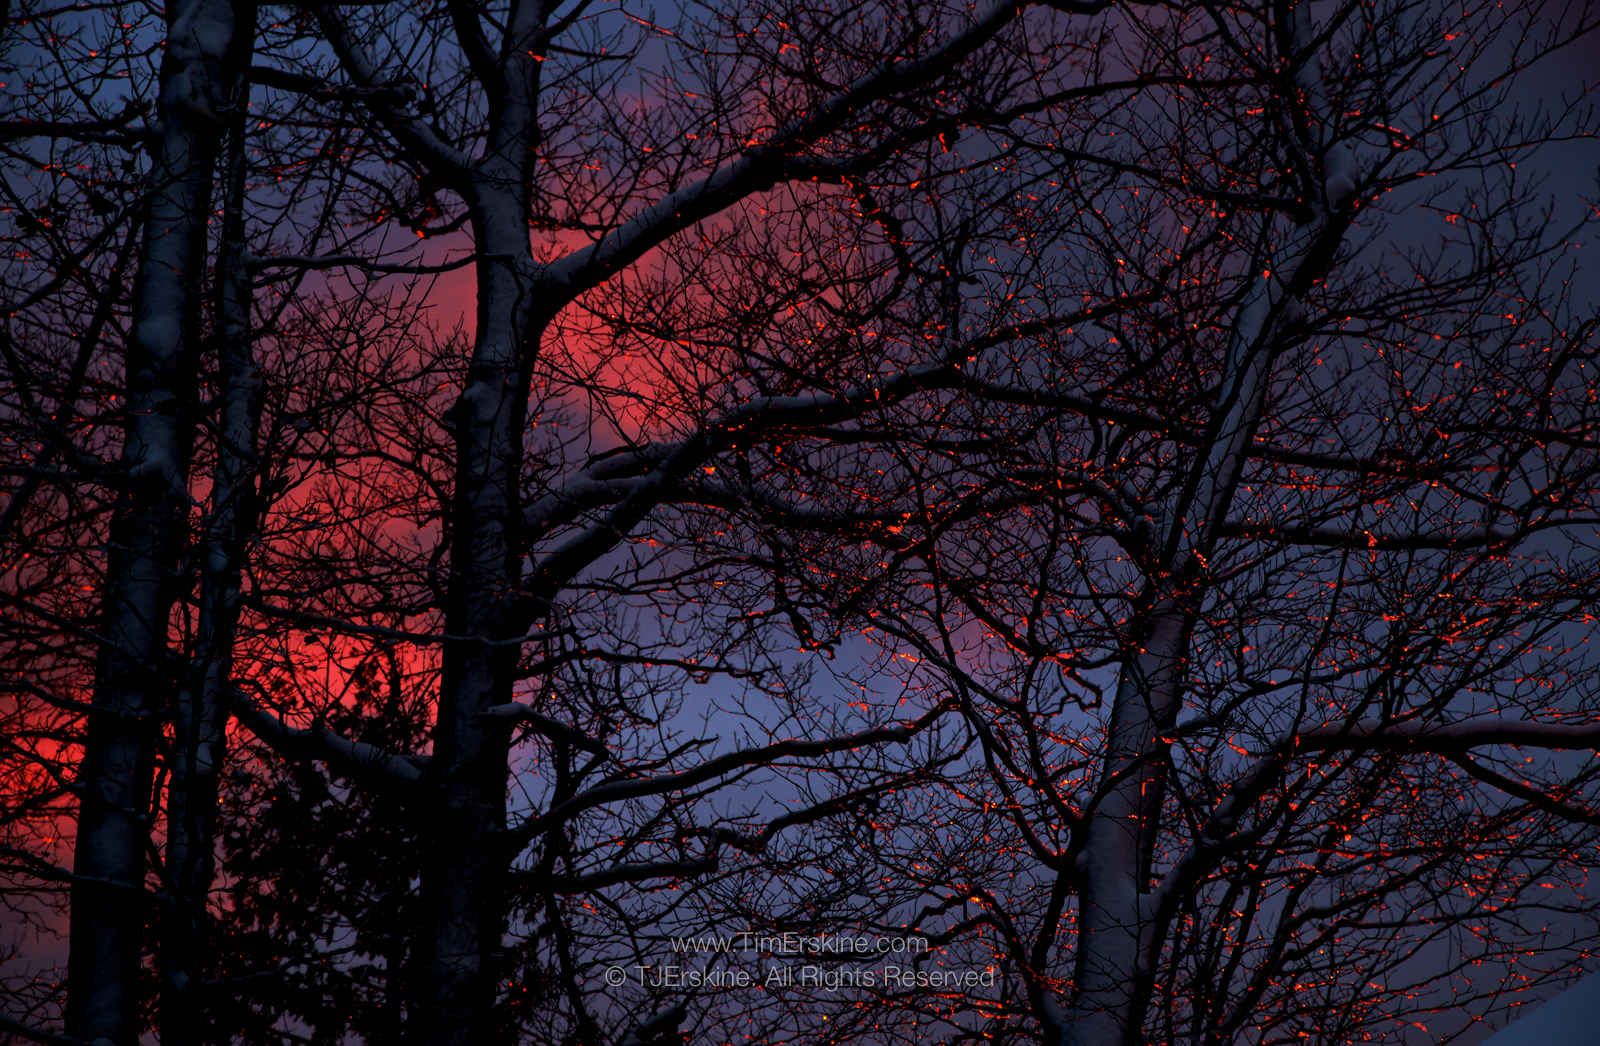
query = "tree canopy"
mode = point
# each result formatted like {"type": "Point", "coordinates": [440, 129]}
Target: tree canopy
{"type": "Point", "coordinates": [558, 522]}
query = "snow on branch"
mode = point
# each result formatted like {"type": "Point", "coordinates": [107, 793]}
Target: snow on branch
{"type": "Point", "coordinates": [356, 758]}
{"type": "Point", "coordinates": [762, 166]}
{"type": "Point", "coordinates": [620, 789]}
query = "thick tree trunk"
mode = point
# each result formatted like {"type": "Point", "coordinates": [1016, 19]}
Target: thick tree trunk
{"type": "Point", "coordinates": [467, 857]}
{"type": "Point", "coordinates": [132, 676]}
{"type": "Point", "coordinates": [1113, 961]}
{"type": "Point", "coordinates": [200, 714]}
{"type": "Point", "coordinates": [459, 951]}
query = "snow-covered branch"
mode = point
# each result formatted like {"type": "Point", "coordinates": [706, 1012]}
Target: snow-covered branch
{"type": "Point", "coordinates": [343, 755]}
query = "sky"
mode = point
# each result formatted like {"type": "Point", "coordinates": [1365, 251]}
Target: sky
{"type": "Point", "coordinates": [1569, 1019]}
{"type": "Point", "coordinates": [1572, 179]}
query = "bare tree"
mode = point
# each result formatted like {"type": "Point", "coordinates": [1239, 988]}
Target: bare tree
{"type": "Point", "coordinates": [81, 371]}
{"type": "Point", "coordinates": [1018, 458]}
{"type": "Point", "coordinates": [200, 711]}
{"type": "Point", "coordinates": [476, 103]}
{"type": "Point", "coordinates": [72, 241]}
{"type": "Point", "coordinates": [1267, 679]}
{"type": "Point", "coordinates": [148, 524]}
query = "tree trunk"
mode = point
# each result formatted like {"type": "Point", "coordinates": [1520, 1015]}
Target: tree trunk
{"type": "Point", "coordinates": [200, 712]}
{"type": "Point", "coordinates": [132, 675]}
{"type": "Point", "coordinates": [1113, 961]}
{"type": "Point", "coordinates": [1117, 943]}
{"type": "Point", "coordinates": [467, 857]}
{"type": "Point", "coordinates": [459, 953]}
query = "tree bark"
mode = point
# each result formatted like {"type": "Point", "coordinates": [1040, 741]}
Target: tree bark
{"type": "Point", "coordinates": [463, 879]}
{"type": "Point", "coordinates": [132, 674]}
{"type": "Point", "coordinates": [200, 712]}
{"type": "Point", "coordinates": [1113, 937]}
{"type": "Point", "coordinates": [467, 848]}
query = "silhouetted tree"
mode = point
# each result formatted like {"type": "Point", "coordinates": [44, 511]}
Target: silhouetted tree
{"type": "Point", "coordinates": [1272, 674]}
{"type": "Point", "coordinates": [1106, 489]}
